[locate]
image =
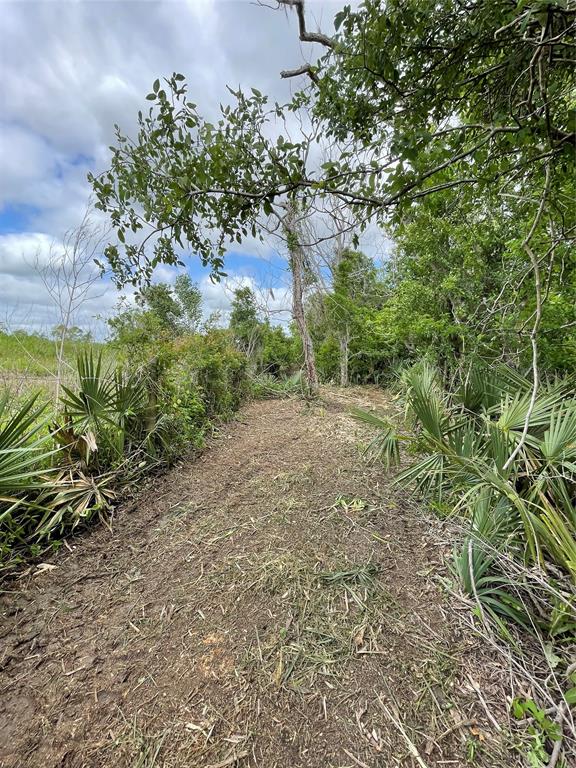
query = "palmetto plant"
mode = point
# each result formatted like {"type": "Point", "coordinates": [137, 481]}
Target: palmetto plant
{"type": "Point", "coordinates": [106, 412]}
{"type": "Point", "coordinates": [25, 446]}
{"type": "Point", "coordinates": [26, 450]}
{"type": "Point", "coordinates": [55, 476]}
{"type": "Point", "coordinates": [73, 497]}
{"type": "Point", "coordinates": [465, 439]}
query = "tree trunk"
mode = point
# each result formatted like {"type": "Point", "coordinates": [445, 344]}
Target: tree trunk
{"type": "Point", "coordinates": [297, 267]}
{"type": "Point", "coordinates": [344, 341]}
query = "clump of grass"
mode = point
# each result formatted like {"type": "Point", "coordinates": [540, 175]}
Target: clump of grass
{"type": "Point", "coordinates": [286, 481]}
{"type": "Point", "coordinates": [328, 613]}
{"type": "Point", "coordinates": [139, 747]}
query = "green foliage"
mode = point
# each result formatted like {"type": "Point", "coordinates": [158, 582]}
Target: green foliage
{"type": "Point", "coordinates": [189, 300]}
{"type": "Point", "coordinates": [107, 412]}
{"type": "Point", "coordinates": [449, 85]}
{"type": "Point", "coordinates": [72, 333]}
{"type": "Point", "coordinates": [24, 447]}
{"type": "Point", "coordinates": [457, 288]}
{"type": "Point", "coordinates": [245, 323]}
{"type": "Point", "coordinates": [341, 321]}
{"type": "Point", "coordinates": [280, 354]}
{"type": "Point", "coordinates": [162, 314]}
{"type": "Point", "coordinates": [59, 471]}
{"type": "Point", "coordinates": [268, 348]}
{"type": "Point", "coordinates": [33, 354]}
{"type": "Point", "coordinates": [418, 96]}
{"type": "Point", "coordinates": [466, 453]}
{"type": "Point", "coordinates": [159, 300]}
{"type": "Point", "coordinates": [211, 366]}
{"type": "Point", "coordinates": [268, 387]}
{"type": "Point", "coordinates": [540, 729]}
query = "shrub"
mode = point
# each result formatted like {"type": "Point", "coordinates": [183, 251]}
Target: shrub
{"type": "Point", "coordinates": [466, 435]}
{"type": "Point", "coordinates": [58, 471]}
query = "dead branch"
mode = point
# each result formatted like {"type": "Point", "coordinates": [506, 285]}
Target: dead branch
{"type": "Point", "coordinates": [305, 35]}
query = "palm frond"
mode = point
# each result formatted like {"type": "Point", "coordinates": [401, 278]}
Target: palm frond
{"type": "Point", "coordinates": [386, 445]}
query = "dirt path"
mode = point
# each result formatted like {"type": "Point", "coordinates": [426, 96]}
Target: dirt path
{"type": "Point", "coordinates": [270, 605]}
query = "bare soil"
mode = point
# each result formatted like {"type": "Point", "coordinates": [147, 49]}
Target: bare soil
{"type": "Point", "coordinates": [273, 604]}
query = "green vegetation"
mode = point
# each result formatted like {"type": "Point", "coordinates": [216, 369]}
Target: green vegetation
{"type": "Point", "coordinates": [60, 469]}
{"type": "Point", "coordinates": [452, 126]}
{"type": "Point", "coordinates": [35, 355]}
{"type": "Point", "coordinates": [131, 407]}
{"type": "Point", "coordinates": [269, 349]}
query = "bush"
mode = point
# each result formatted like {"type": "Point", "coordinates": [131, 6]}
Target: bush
{"type": "Point", "coordinates": [59, 470]}
{"type": "Point", "coordinates": [211, 368]}
{"type": "Point", "coordinates": [279, 354]}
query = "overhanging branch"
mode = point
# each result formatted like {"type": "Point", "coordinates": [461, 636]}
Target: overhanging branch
{"type": "Point", "coordinates": [305, 69]}
{"type": "Point", "coordinates": [305, 35]}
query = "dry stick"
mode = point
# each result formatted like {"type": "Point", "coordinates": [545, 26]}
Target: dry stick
{"type": "Point", "coordinates": [356, 760]}
{"type": "Point", "coordinates": [473, 582]}
{"type": "Point", "coordinates": [558, 743]}
{"type": "Point", "coordinates": [409, 743]}
{"type": "Point", "coordinates": [484, 704]}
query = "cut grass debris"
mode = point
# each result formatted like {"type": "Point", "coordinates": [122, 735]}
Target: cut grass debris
{"type": "Point", "coordinates": [326, 614]}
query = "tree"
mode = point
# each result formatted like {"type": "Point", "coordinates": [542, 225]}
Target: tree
{"type": "Point", "coordinates": [162, 314]}
{"type": "Point", "coordinates": [189, 299]}
{"type": "Point", "coordinates": [279, 354]}
{"type": "Point", "coordinates": [298, 268]}
{"type": "Point", "coordinates": [72, 333]}
{"type": "Point", "coordinates": [159, 299]}
{"type": "Point", "coordinates": [245, 324]}
{"type": "Point", "coordinates": [70, 276]}
{"type": "Point", "coordinates": [267, 347]}
{"type": "Point", "coordinates": [417, 97]}
{"type": "Point", "coordinates": [426, 90]}
{"type": "Point", "coordinates": [354, 289]}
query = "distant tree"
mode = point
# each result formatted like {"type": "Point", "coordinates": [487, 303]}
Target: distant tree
{"type": "Point", "coordinates": [162, 313]}
{"type": "Point", "coordinates": [279, 354]}
{"type": "Point", "coordinates": [189, 299]}
{"type": "Point", "coordinates": [354, 288]}
{"type": "Point", "coordinates": [72, 333]}
{"type": "Point", "coordinates": [159, 299]}
{"type": "Point", "coordinates": [245, 322]}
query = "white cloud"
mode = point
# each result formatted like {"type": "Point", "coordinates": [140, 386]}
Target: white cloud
{"type": "Point", "coordinates": [70, 70]}
{"type": "Point", "coordinates": [24, 300]}
{"type": "Point", "coordinates": [272, 301]}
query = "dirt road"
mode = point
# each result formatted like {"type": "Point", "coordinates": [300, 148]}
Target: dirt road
{"type": "Point", "coordinates": [273, 604]}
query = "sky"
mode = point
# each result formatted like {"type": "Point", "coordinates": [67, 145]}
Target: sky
{"type": "Point", "coordinates": [69, 71]}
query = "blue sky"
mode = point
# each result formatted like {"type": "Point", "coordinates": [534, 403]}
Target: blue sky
{"type": "Point", "coordinates": [70, 70]}
{"type": "Point", "coordinates": [16, 218]}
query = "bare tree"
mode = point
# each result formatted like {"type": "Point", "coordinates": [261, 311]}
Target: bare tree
{"type": "Point", "coordinates": [69, 274]}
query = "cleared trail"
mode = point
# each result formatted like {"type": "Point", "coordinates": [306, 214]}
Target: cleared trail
{"type": "Point", "coordinates": [272, 604]}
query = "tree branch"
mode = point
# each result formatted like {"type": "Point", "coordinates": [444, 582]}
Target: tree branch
{"type": "Point", "coordinates": [305, 69]}
{"type": "Point", "coordinates": [305, 35]}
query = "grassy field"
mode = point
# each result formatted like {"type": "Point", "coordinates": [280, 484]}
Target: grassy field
{"type": "Point", "coordinates": [28, 362]}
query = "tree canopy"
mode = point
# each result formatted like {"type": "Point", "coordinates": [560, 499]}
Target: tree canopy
{"type": "Point", "coordinates": [416, 97]}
